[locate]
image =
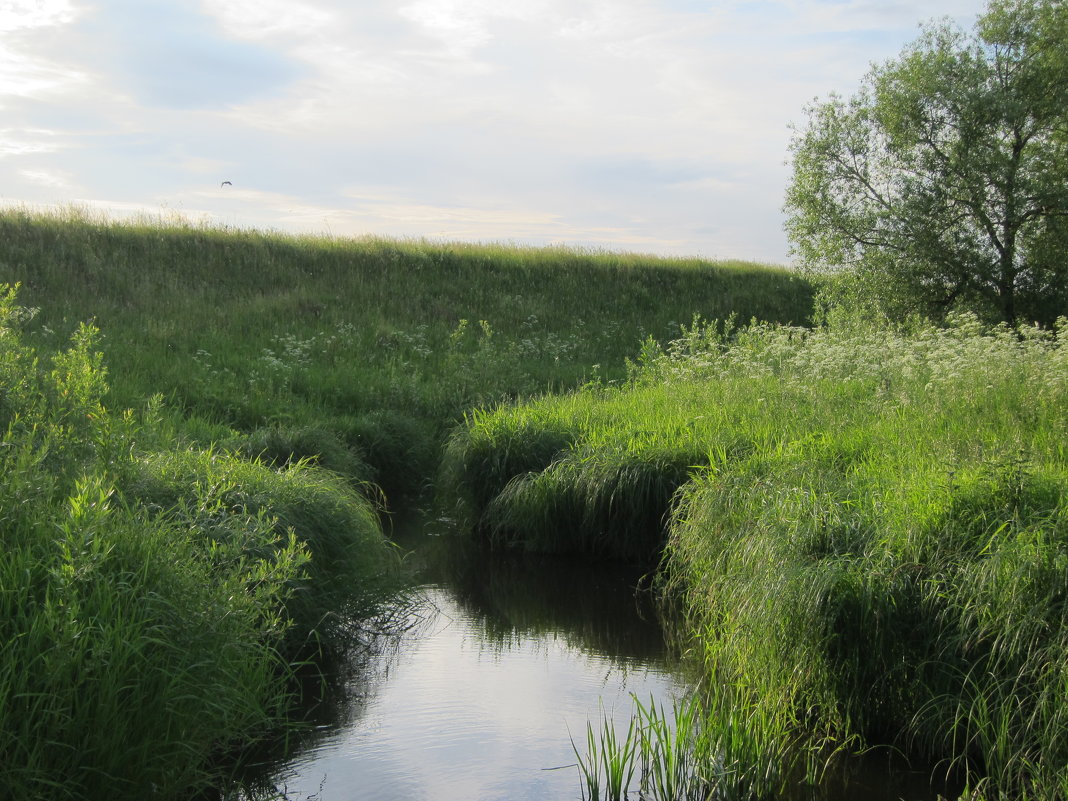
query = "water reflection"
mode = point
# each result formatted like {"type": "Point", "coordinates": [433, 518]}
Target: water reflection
{"type": "Point", "coordinates": [497, 659]}
{"type": "Point", "coordinates": [475, 699]}
{"type": "Point", "coordinates": [597, 607]}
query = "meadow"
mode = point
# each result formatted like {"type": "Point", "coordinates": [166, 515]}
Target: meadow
{"type": "Point", "coordinates": [371, 346]}
{"type": "Point", "coordinates": [864, 535]}
{"type": "Point", "coordinates": [198, 425]}
{"type": "Point", "coordinates": [860, 532]}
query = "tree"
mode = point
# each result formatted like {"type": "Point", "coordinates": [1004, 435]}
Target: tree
{"type": "Point", "coordinates": [943, 182]}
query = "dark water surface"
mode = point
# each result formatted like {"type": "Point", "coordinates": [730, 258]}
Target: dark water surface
{"type": "Point", "coordinates": [502, 661]}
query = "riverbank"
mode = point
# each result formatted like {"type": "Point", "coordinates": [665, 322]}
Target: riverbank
{"type": "Point", "coordinates": [166, 568]}
{"type": "Point", "coordinates": [155, 599]}
{"type": "Point", "coordinates": [867, 539]}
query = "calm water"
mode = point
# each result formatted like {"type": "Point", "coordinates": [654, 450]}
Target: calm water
{"type": "Point", "coordinates": [500, 662]}
{"type": "Point", "coordinates": [503, 661]}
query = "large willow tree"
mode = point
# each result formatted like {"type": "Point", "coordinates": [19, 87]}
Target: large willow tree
{"type": "Point", "coordinates": [943, 182]}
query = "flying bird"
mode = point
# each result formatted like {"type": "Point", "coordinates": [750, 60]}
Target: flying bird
{"type": "Point", "coordinates": [226, 183]}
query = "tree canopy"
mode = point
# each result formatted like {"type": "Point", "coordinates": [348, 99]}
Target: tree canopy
{"type": "Point", "coordinates": [943, 181]}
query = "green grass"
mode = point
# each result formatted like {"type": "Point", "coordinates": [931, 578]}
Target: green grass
{"type": "Point", "coordinates": [154, 600]}
{"type": "Point", "coordinates": [677, 756]}
{"type": "Point", "coordinates": [165, 568]}
{"type": "Point", "coordinates": [608, 762]}
{"type": "Point", "coordinates": [227, 527]}
{"type": "Point", "coordinates": [865, 531]}
{"type": "Point", "coordinates": [382, 344]}
{"type": "Point", "coordinates": [590, 473]}
{"type": "Point", "coordinates": [867, 537]}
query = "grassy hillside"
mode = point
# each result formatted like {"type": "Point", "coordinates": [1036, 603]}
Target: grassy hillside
{"type": "Point", "coordinates": [165, 571]}
{"type": "Point", "coordinates": [381, 343]}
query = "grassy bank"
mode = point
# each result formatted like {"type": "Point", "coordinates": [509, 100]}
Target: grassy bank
{"type": "Point", "coordinates": [153, 598]}
{"type": "Point", "coordinates": [163, 570]}
{"type": "Point", "coordinates": [380, 344]}
{"type": "Point", "coordinates": [869, 536]}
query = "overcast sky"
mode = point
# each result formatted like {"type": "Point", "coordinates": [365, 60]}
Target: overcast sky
{"type": "Point", "coordinates": [638, 125]}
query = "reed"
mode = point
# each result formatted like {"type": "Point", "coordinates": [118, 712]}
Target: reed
{"type": "Point", "coordinates": [608, 762]}
{"type": "Point", "coordinates": [680, 754]}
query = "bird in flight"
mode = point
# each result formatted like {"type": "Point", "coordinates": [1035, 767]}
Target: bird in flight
{"type": "Point", "coordinates": [226, 183]}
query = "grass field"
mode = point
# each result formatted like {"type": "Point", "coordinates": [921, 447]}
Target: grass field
{"type": "Point", "coordinates": [382, 345]}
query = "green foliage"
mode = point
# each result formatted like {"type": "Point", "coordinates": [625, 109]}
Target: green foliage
{"type": "Point", "coordinates": [362, 338]}
{"type": "Point", "coordinates": [684, 755]}
{"type": "Point", "coordinates": [351, 571]}
{"type": "Point", "coordinates": [279, 447]}
{"type": "Point", "coordinates": [608, 761]}
{"type": "Point", "coordinates": [868, 541]}
{"type": "Point", "coordinates": [565, 474]}
{"type": "Point", "coordinates": [855, 580]}
{"type": "Point", "coordinates": [149, 603]}
{"type": "Point", "coordinates": [129, 662]}
{"type": "Point", "coordinates": [940, 184]}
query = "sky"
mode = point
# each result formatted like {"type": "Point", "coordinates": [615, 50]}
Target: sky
{"type": "Point", "coordinates": [622, 125]}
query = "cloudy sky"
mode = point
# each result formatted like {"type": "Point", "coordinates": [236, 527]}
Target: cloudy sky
{"type": "Point", "coordinates": [658, 126]}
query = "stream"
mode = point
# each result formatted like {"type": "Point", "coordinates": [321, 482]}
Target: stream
{"type": "Point", "coordinates": [499, 662]}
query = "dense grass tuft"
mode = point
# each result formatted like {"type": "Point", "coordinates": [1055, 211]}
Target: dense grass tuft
{"type": "Point", "coordinates": [279, 446]}
{"type": "Point", "coordinates": [351, 570]}
{"type": "Point", "coordinates": [869, 539]}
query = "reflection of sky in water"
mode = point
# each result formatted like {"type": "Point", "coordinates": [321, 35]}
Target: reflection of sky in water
{"type": "Point", "coordinates": [460, 719]}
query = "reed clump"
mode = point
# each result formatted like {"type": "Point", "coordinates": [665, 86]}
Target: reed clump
{"type": "Point", "coordinates": [677, 757]}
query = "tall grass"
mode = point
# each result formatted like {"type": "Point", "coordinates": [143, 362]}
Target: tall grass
{"type": "Point", "coordinates": [608, 762]}
{"type": "Point", "coordinates": [351, 572]}
{"type": "Point", "coordinates": [679, 756]}
{"type": "Point", "coordinates": [151, 602]}
{"type": "Point", "coordinates": [868, 538]}
{"type": "Point", "coordinates": [593, 472]}
{"type": "Point", "coordinates": [382, 343]}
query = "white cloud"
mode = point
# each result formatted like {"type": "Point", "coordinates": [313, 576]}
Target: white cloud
{"type": "Point", "coordinates": [51, 179]}
{"type": "Point", "coordinates": [17, 15]}
{"type": "Point", "coordinates": [23, 75]}
{"type": "Point", "coordinates": [14, 142]}
{"type": "Point", "coordinates": [629, 123]}
{"type": "Point", "coordinates": [464, 25]}
{"type": "Point", "coordinates": [284, 20]}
